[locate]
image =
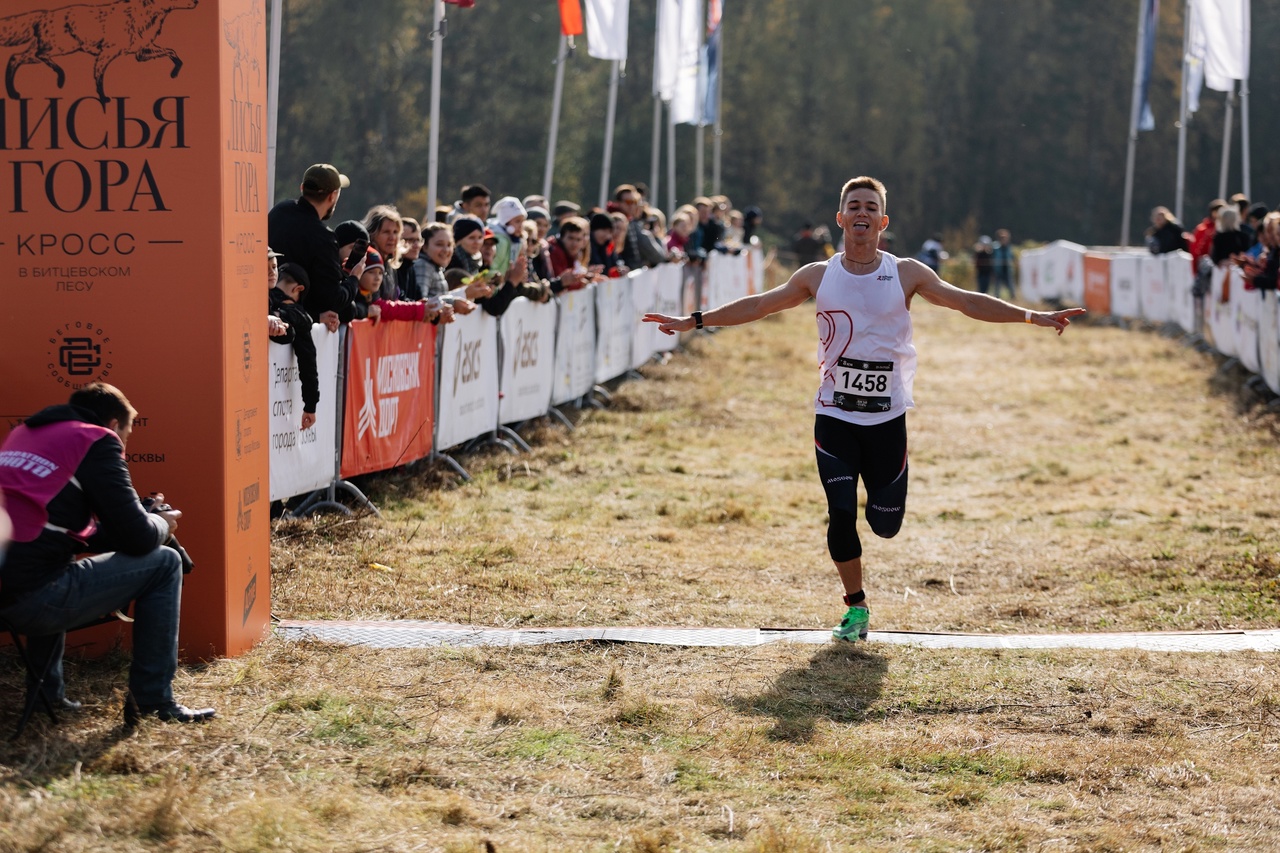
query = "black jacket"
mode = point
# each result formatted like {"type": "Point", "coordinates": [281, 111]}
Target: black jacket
{"type": "Point", "coordinates": [105, 493]}
{"type": "Point", "coordinates": [304, 347]}
{"type": "Point", "coordinates": [294, 230]}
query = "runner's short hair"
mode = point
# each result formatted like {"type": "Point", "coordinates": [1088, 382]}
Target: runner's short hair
{"type": "Point", "coordinates": [106, 402]}
{"type": "Point", "coordinates": [865, 183]}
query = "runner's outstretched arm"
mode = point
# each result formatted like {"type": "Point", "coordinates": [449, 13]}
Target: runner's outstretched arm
{"type": "Point", "coordinates": [802, 285]}
{"type": "Point", "coordinates": [918, 278]}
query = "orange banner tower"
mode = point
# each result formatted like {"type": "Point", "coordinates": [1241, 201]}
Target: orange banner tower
{"type": "Point", "coordinates": [133, 251]}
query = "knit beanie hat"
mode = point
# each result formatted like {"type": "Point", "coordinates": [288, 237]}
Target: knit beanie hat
{"type": "Point", "coordinates": [464, 226]}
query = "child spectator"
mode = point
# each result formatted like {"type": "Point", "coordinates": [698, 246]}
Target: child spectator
{"type": "Point", "coordinates": [275, 326]}
{"type": "Point", "coordinates": [370, 306]}
{"type": "Point", "coordinates": [468, 237]}
{"type": "Point", "coordinates": [284, 300]}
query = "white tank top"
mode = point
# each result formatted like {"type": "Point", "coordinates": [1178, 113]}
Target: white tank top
{"type": "Point", "coordinates": [866, 359]}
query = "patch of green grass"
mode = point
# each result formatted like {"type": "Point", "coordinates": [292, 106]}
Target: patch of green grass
{"type": "Point", "coordinates": [537, 744]}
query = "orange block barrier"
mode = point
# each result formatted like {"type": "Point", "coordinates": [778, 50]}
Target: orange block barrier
{"type": "Point", "coordinates": [389, 416]}
{"type": "Point", "coordinates": [133, 242]}
{"type": "Point", "coordinates": [1097, 284]}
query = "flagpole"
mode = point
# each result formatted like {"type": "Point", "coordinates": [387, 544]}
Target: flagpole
{"type": "Point", "coordinates": [699, 158]}
{"type": "Point", "coordinates": [1183, 118]}
{"type": "Point", "coordinates": [608, 133]}
{"type": "Point", "coordinates": [655, 150]}
{"type": "Point", "coordinates": [273, 94]}
{"type": "Point", "coordinates": [554, 133]}
{"type": "Point", "coordinates": [1244, 136]}
{"type": "Point", "coordinates": [433, 149]}
{"type": "Point", "coordinates": [671, 161]}
{"type": "Point", "coordinates": [1133, 124]}
{"type": "Point", "coordinates": [1227, 126]}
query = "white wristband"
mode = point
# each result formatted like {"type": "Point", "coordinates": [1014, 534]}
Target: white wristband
{"type": "Point", "coordinates": [1028, 317]}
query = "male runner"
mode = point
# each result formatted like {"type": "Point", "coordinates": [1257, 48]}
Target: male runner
{"type": "Point", "coordinates": [867, 364]}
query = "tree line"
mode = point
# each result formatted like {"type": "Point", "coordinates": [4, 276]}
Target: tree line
{"type": "Point", "coordinates": [978, 114]}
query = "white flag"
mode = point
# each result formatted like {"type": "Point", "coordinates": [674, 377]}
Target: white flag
{"type": "Point", "coordinates": [1224, 27]}
{"type": "Point", "coordinates": [686, 106]}
{"type": "Point", "coordinates": [666, 50]}
{"type": "Point", "coordinates": [607, 29]}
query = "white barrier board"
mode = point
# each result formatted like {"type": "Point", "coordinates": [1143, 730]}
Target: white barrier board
{"type": "Point", "coordinates": [575, 345]}
{"type": "Point", "coordinates": [643, 335]}
{"type": "Point", "coordinates": [614, 327]}
{"type": "Point", "coordinates": [468, 386]}
{"type": "Point", "coordinates": [1219, 317]}
{"type": "Point", "coordinates": [668, 298]}
{"type": "Point", "coordinates": [1030, 271]}
{"type": "Point", "coordinates": [1153, 290]}
{"type": "Point", "coordinates": [755, 267]}
{"type": "Point", "coordinates": [528, 333]}
{"type": "Point", "coordinates": [1269, 340]}
{"type": "Point", "coordinates": [1182, 305]}
{"type": "Point", "coordinates": [1125, 272]}
{"type": "Point", "coordinates": [303, 460]}
{"type": "Point", "coordinates": [1248, 306]}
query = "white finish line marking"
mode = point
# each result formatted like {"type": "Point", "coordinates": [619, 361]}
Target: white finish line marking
{"type": "Point", "coordinates": [411, 634]}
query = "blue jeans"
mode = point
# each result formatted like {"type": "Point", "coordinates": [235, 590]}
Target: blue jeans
{"type": "Point", "coordinates": [94, 587]}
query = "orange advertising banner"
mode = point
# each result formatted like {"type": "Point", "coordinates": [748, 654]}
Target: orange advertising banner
{"type": "Point", "coordinates": [389, 417]}
{"type": "Point", "coordinates": [1097, 284]}
{"type": "Point", "coordinates": [133, 244]}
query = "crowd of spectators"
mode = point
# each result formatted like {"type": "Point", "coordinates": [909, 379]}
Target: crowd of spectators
{"type": "Point", "coordinates": [1234, 232]}
{"type": "Point", "coordinates": [478, 253]}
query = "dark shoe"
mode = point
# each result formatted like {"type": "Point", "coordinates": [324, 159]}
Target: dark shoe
{"type": "Point", "coordinates": [170, 713]}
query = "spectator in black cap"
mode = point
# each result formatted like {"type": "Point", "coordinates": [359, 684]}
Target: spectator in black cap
{"type": "Point", "coordinates": [296, 229]}
{"type": "Point", "coordinates": [290, 286]}
{"type": "Point", "coordinates": [602, 253]}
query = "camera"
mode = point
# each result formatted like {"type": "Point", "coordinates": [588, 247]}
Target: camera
{"type": "Point", "coordinates": [150, 505]}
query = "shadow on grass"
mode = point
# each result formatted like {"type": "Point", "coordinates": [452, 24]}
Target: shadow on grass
{"type": "Point", "coordinates": [48, 751]}
{"type": "Point", "coordinates": [839, 684]}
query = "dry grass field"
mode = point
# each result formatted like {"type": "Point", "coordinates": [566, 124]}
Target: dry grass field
{"type": "Point", "coordinates": [1105, 480]}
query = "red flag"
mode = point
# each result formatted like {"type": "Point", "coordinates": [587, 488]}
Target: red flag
{"type": "Point", "coordinates": [462, 4]}
{"type": "Point", "coordinates": [570, 18]}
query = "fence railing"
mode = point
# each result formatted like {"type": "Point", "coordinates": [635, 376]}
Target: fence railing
{"type": "Point", "coordinates": [1235, 320]}
{"type": "Point", "coordinates": [395, 393]}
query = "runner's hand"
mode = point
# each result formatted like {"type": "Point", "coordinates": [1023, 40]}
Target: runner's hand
{"type": "Point", "coordinates": [1055, 319]}
{"type": "Point", "coordinates": [670, 325]}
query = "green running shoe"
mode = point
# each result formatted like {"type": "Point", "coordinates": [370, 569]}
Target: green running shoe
{"type": "Point", "coordinates": [853, 626]}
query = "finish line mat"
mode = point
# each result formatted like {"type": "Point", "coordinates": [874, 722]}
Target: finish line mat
{"type": "Point", "coordinates": [416, 635]}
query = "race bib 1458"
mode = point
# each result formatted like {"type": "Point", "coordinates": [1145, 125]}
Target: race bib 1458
{"type": "Point", "coordinates": [863, 386]}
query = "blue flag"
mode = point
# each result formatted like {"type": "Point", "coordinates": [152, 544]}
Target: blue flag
{"type": "Point", "coordinates": [711, 53]}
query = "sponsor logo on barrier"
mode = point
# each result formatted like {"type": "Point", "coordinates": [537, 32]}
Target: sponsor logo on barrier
{"type": "Point", "coordinates": [245, 442]}
{"type": "Point", "coordinates": [396, 374]}
{"type": "Point", "coordinates": [246, 352]}
{"type": "Point", "coordinates": [250, 596]}
{"type": "Point", "coordinates": [79, 353]}
{"type": "Point", "coordinates": [467, 367]}
{"type": "Point", "coordinates": [526, 349]}
{"type": "Point", "coordinates": [245, 500]}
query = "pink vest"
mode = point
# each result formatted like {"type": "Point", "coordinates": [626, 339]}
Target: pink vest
{"type": "Point", "coordinates": [35, 465]}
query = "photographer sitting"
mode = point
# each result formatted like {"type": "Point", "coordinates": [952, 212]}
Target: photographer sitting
{"type": "Point", "coordinates": [67, 488]}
